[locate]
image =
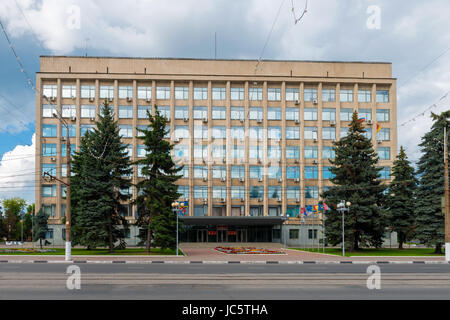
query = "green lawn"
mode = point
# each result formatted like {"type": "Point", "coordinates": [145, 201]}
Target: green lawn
{"type": "Point", "coordinates": [99, 252]}
{"type": "Point", "coordinates": [377, 252]}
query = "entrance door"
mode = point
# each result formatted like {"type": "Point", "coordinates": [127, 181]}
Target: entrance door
{"type": "Point", "coordinates": [241, 235]}
{"type": "Point", "coordinates": [222, 236]}
{"type": "Point", "coordinates": [202, 235]}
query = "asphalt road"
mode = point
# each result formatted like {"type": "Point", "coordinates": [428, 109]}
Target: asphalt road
{"type": "Point", "coordinates": [224, 282]}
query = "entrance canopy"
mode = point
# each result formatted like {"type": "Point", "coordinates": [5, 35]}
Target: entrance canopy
{"type": "Point", "coordinates": [232, 221]}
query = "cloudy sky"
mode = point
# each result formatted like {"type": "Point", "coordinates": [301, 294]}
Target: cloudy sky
{"type": "Point", "coordinates": [413, 35]}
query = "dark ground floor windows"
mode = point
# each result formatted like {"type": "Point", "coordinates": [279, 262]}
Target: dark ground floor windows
{"type": "Point", "coordinates": [211, 233]}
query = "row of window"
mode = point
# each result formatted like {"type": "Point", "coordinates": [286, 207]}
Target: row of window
{"type": "Point", "coordinates": [218, 93]}
{"type": "Point", "coordinates": [219, 113]}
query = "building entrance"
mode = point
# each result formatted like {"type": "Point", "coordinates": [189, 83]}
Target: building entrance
{"type": "Point", "coordinates": [202, 235]}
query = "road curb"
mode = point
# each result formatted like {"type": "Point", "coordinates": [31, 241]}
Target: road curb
{"type": "Point", "coordinates": [217, 262]}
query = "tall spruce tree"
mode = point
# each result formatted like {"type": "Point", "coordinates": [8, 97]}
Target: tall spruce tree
{"type": "Point", "coordinates": [157, 190]}
{"type": "Point", "coordinates": [40, 226]}
{"type": "Point", "coordinates": [429, 215]}
{"type": "Point", "coordinates": [101, 169]}
{"type": "Point", "coordinates": [401, 199]}
{"type": "Point", "coordinates": [356, 180]}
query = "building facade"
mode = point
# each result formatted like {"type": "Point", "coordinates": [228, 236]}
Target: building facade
{"type": "Point", "coordinates": [255, 139]}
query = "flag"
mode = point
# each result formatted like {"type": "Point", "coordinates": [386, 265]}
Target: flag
{"type": "Point", "coordinates": [378, 127]}
{"type": "Point", "coordinates": [360, 120]}
{"type": "Point", "coordinates": [309, 210]}
{"type": "Point", "coordinates": [325, 207]}
{"type": "Point", "coordinates": [303, 211]}
{"type": "Point", "coordinates": [320, 207]}
{"type": "Point", "coordinates": [315, 208]}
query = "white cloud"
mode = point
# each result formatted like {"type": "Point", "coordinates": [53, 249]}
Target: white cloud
{"type": "Point", "coordinates": [15, 117]}
{"type": "Point", "coordinates": [17, 172]}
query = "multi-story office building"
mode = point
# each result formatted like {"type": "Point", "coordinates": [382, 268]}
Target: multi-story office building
{"type": "Point", "coordinates": [255, 142]}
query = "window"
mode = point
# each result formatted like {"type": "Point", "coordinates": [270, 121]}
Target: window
{"type": "Point", "coordinates": [48, 110]}
{"type": "Point", "coordinates": [310, 133]}
{"type": "Point", "coordinates": [256, 172]}
{"type": "Point", "coordinates": [200, 172]}
{"type": "Point", "coordinates": [382, 96]}
{"type": "Point", "coordinates": [72, 131]}
{"type": "Point", "coordinates": [85, 128]}
{"type": "Point", "coordinates": [344, 132]}
{"type": "Point", "coordinates": [237, 192]}
{"type": "Point", "coordinates": [311, 152]}
{"type": "Point", "coordinates": [219, 151]}
{"type": "Point", "coordinates": [200, 192]}
{"type": "Point", "coordinates": [311, 172]}
{"type": "Point", "coordinates": [274, 192]}
{"type": "Point", "coordinates": [237, 133]}
{"type": "Point", "coordinates": [329, 133]}
{"type": "Point", "coordinates": [181, 132]}
{"type": "Point", "coordinates": [292, 94]}
{"type": "Point", "coordinates": [63, 214]}
{"type": "Point", "coordinates": [311, 192]}
{"type": "Point", "coordinates": [164, 111]}
{"type": "Point", "coordinates": [310, 114]}
{"type": "Point", "coordinates": [142, 111]}
{"type": "Point", "coordinates": [69, 91]}
{"type": "Point", "coordinates": [365, 113]}
{"type": "Point", "coordinates": [163, 93]}
{"type": "Point", "coordinates": [385, 173]}
{"type": "Point", "coordinates": [49, 190]}
{"type": "Point", "coordinates": [329, 114]}
{"type": "Point", "coordinates": [273, 113]}
{"type": "Point", "coordinates": [292, 114]}
{"type": "Point", "coordinates": [201, 93]}
{"type": "Point", "coordinates": [73, 149]}
{"type": "Point", "coordinates": [274, 133]}
{"type": "Point", "coordinates": [238, 152]}
{"type": "Point", "coordinates": [50, 211]}
{"type": "Point", "coordinates": [88, 111]}
{"type": "Point", "coordinates": [293, 133]}
{"type": "Point", "coordinates": [256, 133]}
{"type": "Point", "coordinates": [49, 168]}
{"type": "Point", "coordinates": [364, 96]}
{"type": "Point", "coordinates": [200, 211]}
{"type": "Point", "coordinates": [140, 167]}
{"type": "Point", "coordinates": [219, 93]}
{"type": "Point", "coordinates": [200, 113]}
{"type": "Point", "coordinates": [293, 172]}
{"type": "Point", "coordinates": [328, 152]}
{"type": "Point", "coordinates": [346, 95]}
{"type": "Point", "coordinates": [346, 114]}
{"type": "Point", "coordinates": [179, 151]}
{"type": "Point", "coordinates": [256, 192]}
{"type": "Point", "coordinates": [50, 90]}
{"type": "Point", "coordinates": [274, 172]}
{"type": "Point", "coordinates": [328, 95]}
{"type": "Point", "coordinates": [219, 132]}
{"type": "Point", "coordinates": [273, 94]}
{"type": "Point", "coordinates": [129, 149]}
{"type": "Point", "coordinates": [219, 113]}
{"type": "Point", "coordinates": [293, 192]}
{"type": "Point", "coordinates": [219, 192]}
{"type": "Point", "coordinates": [292, 152]}
{"type": "Point", "coordinates": [182, 93]}
{"type": "Point", "coordinates": [200, 132]}
{"type": "Point", "coordinates": [64, 170]}
{"type": "Point", "coordinates": [384, 134]}
{"type": "Point", "coordinates": [294, 233]}
{"type": "Point", "coordinates": [125, 112]}
{"type": "Point", "coordinates": [181, 112]}
{"type": "Point", "coordinates": [141, 151]}
{"type": "Point", "coordinates": [292, 211]}
{"type": "Point", "coordinates": [255, 94]}
{"type": "Point", "coordinates": [274, 152]}
{"type": "Point", "coordinates": [312, 232]}
{"type": "Point", "coordinates": [144, 93]}
{"type": "Point", "coordinates": [68, 111]}
{"type": "Point", "coordinates": [310, 94]}
{"type": "Point", "coordinates": [125, 92]}
{"type": "Point", "coordinates": [367, 133]}
{"type": "Point", "coordinates": [184, 191]}
{"type": "Point", "coordinates": [237, 93]}
{"type": "Point", "coordinates": [384, 153]}
{"type": "Point", "coordinates": [237, 113]}
{"type": "Point", "coordinates": [383, 115]}
{"type": "Point", "coordinates": [126, 210]}
{"type": "Point", "coordinates": [327, 174]}
{"type": "Point", "coordinates": [255, 152]}
{"type": "Point", "coordinates": [49, 130]}
{"type": "Point", "coordinates": [219, 172]}
{"type": "Point", "coordinates": [126, 131]}
{"type": "Point", "coordinates": [200, 151]}
{"type": "Point", "coordinates": [49, 233]}
{"type": "Point", "coordinates": [106, 92]}
{"type": "Point", "coordinates": [256, 113]}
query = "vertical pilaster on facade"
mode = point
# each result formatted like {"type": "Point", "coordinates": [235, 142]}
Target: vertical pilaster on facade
{"type": "Point", "coordinates": [283, 163]}
{"type": "Point", "coordinates": [373, 106]}
{"type": "Point", "coordinates": [59, 154]}
{"type": "Point", "coordinates": [301, 98]}
{"type": "Point", "coordinates": [191, 148]}
{"type": "Point", "coordinates": [135, 144]}
{"type": "Point", "coordinates": [265, 149]}
{"type": "Point", "coordinates": [228, 141]}
{"type": "Point", "coordinates": [210, 158]}
{"type": "Point", "coordinates": [38, 143]}
{"type": "Point", "coordinates": [247, 152]}
{"type": "Point", "coordinates": [116, 100]}
{"type": "Point", "coordinates": [78, 112]}
{"type": "Point", "coordinates": [393, 120]}
{"type": "Point", "coordinates": [320, 136]}
{"type": "Point", "coordinates": [97, 98]}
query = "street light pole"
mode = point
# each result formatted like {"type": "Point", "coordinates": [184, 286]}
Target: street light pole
{"type": "Point", "coordinates": [343, 207]}
{"type": "Point", "coordinates": [175, 206]}
{"type": "Point", "coordinates": [446, 197]}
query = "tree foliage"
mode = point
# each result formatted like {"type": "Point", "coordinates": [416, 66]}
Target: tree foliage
{"type": "Point", "coordinates": [40, 226]}
{"type": "Point", "coordinates": [13, 208]}
{"type": "Point", "coordinates": [356, 180]}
